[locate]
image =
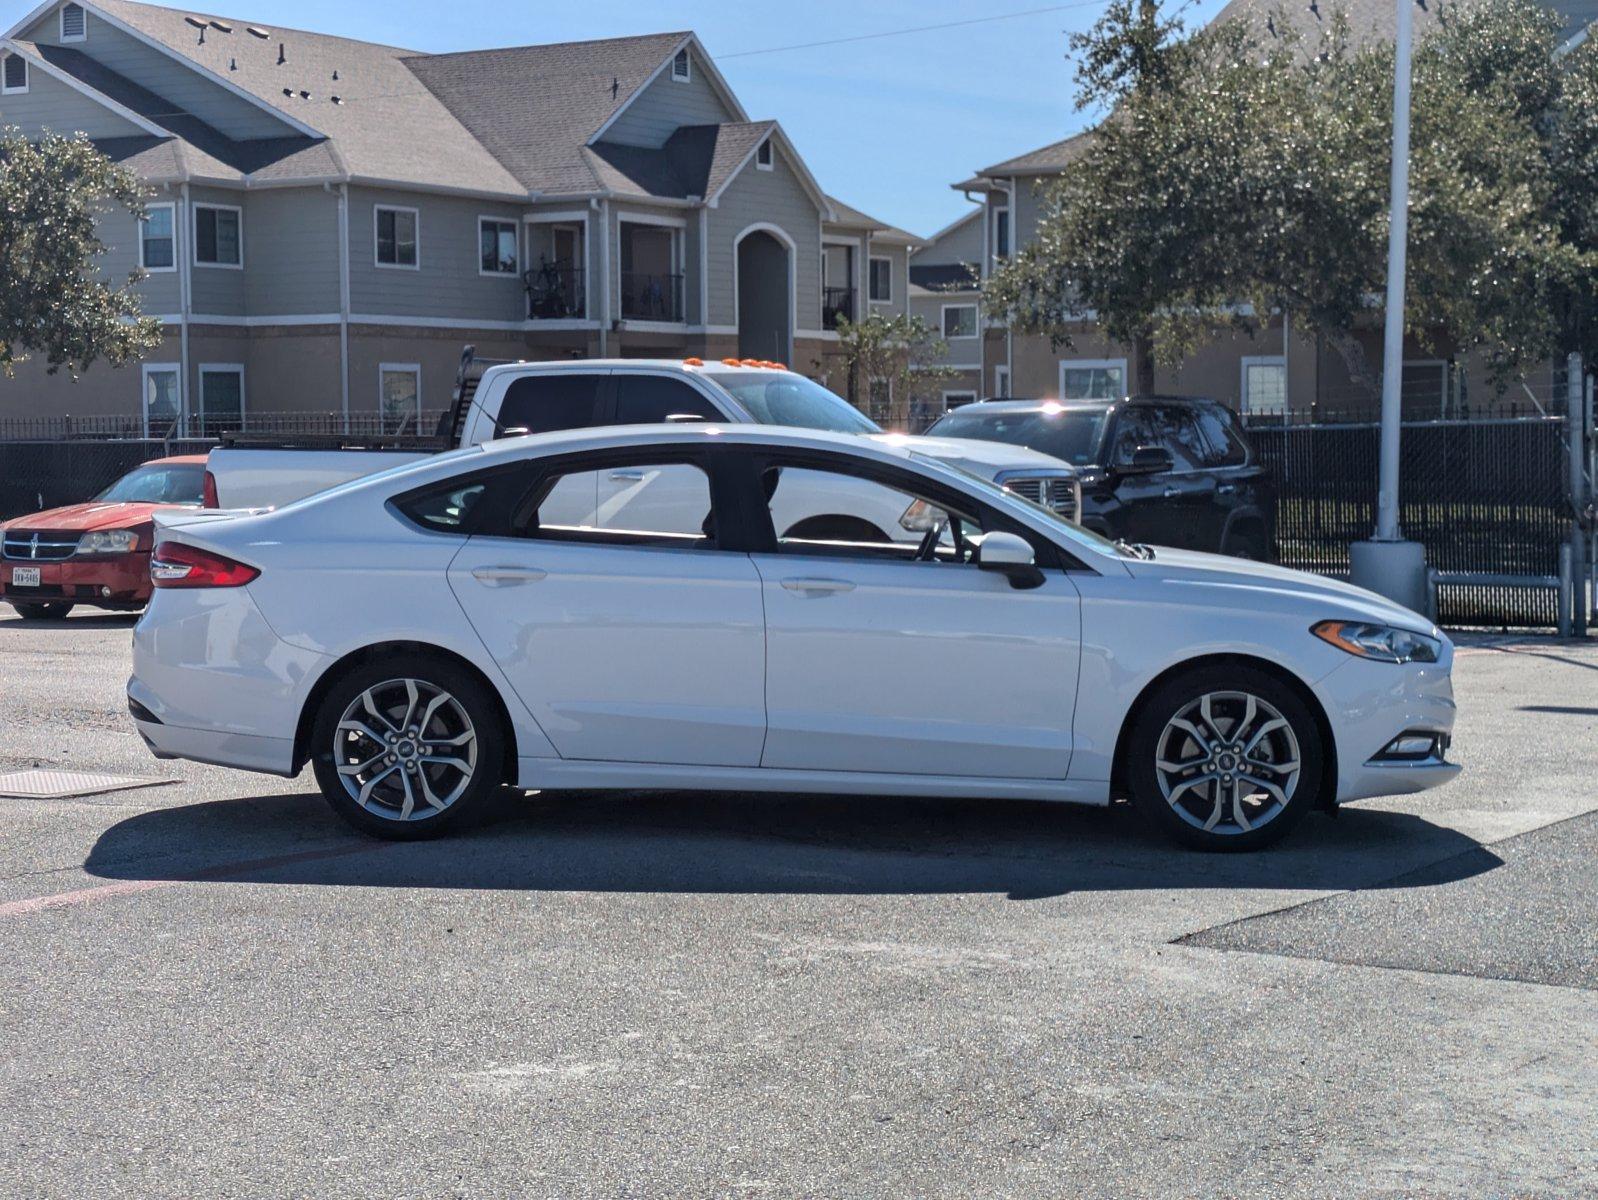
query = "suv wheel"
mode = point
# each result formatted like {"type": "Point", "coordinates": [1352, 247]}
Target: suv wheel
{"type": "Point", "coordinates": [1248, 543]}
{"type": "Point", "coordinates": [406, 747]}
{"type": "Point", "coordinates": [1225, 758]}
{"type": "Point", "coordinates": [41, 611]}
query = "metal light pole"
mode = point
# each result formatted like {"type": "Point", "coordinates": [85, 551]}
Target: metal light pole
{"type": "Point", "coordinates": [1388, 564]}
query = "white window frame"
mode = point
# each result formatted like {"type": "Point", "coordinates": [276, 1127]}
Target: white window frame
{"type": "Point", "coordinates": [1001, 382]}
{"type": "Point", "coordinates": [482, 220]}
{"type": "Point", "coordinates": [568, 217]}
{"type": "Point", "coordinates": [882, 258]}
{"type": "Point", "coordinates": [82, 37]}
{"type": "Point", "coordinates": [416, 216]}
{"type": "Point", "coordinates": [686, 58]}
{"type": "Point", "coordinates": [679, 255]}
{"type": "Point", "coordinates": [765, 156]}
{"type": "Point", "coordinates": [955, 393]}
{"type": "Point", "coordinates": [158, 368]}
{"type": "Point", "coordinates": [197, 206]}
{"type": "Point", "coordinates": [414, 369]}
{"type": "Point", "coordinates": [205, 369]}
{"type": "Point", "coordinates": [172, 208]}
{"type": "Point", "coordinates": [27, 75]}
{"type": "Point", "coordinates": [1257, 360]}
{"type": "Point", "coordinates": [1091, 364]}
{"type": "Point", "coordinates": [943, 322]}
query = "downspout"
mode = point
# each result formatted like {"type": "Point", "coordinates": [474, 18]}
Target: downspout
{"type": "Point", "coordinates": [344, 302]}
{"type": "Point", "coordinates": [604, 269]}
{"type": "Point", "coordinates": [180, 243]}
{"type": "Point", "coordinates": [1009, 334]}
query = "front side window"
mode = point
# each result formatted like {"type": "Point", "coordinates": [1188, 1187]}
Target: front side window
{"type": "Point", "coordinates": [657, 399]}
{"type": "Point", "coordinates": [496, 247]}
{"type": "Point", "coordinates": [959, 320]}
{"type": "Point", "coordinates": [400, 397]}
{"type": "Point", "coordinates": [650, 500]}
{"type": "Point", "coordinates": [882, 280]}
{"type": "Point", "coordinates": [1168, 428]}
{"type": "Point", "coordinates": [549, 403]}
{"type": "Point", "coordinates": [157, 244]}
{"type": "Point", "coordinates": [218, 236]}
{"type": "Point", "coordinates": [15, 74]}
{"type": "Point", "coordinates": [396, 237]}
{"type": "Point", "coordinates": [1223, 445]}
{"type": "Point", "coordinates": [862, 518]}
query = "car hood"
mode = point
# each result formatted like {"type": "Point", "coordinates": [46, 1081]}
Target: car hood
{"type": "Point", "coordinates": [1326, 598]}
{"type": "Point", "coordinates": [81, 518]}
{"type": "Point", "coordinates": [983, 458]}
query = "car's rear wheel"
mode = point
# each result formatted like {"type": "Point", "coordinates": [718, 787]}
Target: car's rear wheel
{"type": "Point", "coordinates": [1225, 757]}
{"type": "Point", "coordinates": [42, 611]}
{"type": "Point", "coordinates": [408, 746]}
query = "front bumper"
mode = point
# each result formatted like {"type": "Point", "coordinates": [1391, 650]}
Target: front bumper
{"type": "Point", "coordinates": [1369, 704]}
{"type": "Point", "coordinates": [116, 581]}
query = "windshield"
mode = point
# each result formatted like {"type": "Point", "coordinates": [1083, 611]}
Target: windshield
{"type": "Point", "coordinates": [1069, 434]}
{"type": "Point", "coordinates": [176, 483]}
{"type": "Point", "coordinates": [783, 398]}
{"type": "Point", "coordinates": [1069, 530]}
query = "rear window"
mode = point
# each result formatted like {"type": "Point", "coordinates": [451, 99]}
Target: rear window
{"type": "Point", "coordinates": [549, 403]}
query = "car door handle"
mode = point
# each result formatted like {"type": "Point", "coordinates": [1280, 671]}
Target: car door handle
{"type": "Point", "coordinates": [1170, 491]}
{"type": "Point", "coordinates": [627, 476]}
{"type": "Point", "coordinates": [1226, 489]}
{"type": "Point", "coordinates": [818, 587]}
{"type": "Point", "coordinates": [507, 576]}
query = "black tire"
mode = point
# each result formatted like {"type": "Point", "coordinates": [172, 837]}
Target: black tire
{"type": "Point", "coordinates": [42, 610]}
{"type": "Point", "coordinates": [1167, 701]}
{"type": "Point", "coordinates": [1248, 543]}
{"type": "Point", "coordinates": [836, 529]}
{"type": "Point", "coordinates": [475, 704]}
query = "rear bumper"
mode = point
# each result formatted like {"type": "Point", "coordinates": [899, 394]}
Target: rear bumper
{"type": "Point", "coordinates": [109, 581]}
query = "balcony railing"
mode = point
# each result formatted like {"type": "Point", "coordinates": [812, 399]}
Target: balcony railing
{"type": "Point", "coordinates": [554, 292]}
{"type": "Point", "coordinates": [836, 303]}
{"type": "Point", "coordinates": [651, 297]}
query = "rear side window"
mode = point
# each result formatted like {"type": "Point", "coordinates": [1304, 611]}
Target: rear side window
{"type": "Point", "coordinates": [1223, 445]}
{"type": "Point", "coordinates": [654, 399]}
{"type": "Point", "coordinates": [447, 508]}
{"type": "Point", "coordinates": [549, 403]}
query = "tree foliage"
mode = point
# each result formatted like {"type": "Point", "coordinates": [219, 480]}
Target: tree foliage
{"type": "Point", "coordinates": [901, 352]}
{"type": "Point", "coordinates": [1245, 173]}
{"type": "Point", "coordinates": [53, 300]}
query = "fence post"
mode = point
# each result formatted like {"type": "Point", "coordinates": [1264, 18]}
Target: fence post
{"type": "Point", "coordinates": [1565, 606]}
{"type": "Point", "coordinates": [1575, 426]}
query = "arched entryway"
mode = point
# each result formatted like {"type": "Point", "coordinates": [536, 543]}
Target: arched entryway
{"type": "Point", "coordinates": [765, 293]}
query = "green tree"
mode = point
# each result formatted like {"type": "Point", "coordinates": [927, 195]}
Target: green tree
{"type": "Point", "coordinates": [901, 352]}
{"type": "Point", "coordinates": [52, 299]}
{"type": "Point", "coordinates": [1250, 178]}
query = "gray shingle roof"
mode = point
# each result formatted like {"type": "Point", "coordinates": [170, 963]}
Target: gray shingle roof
{"type": "Point", "coordinates": [1045, 160]}
{"type": "Point", "coordinates": [846, 216]}
{"type": "Point", "coordinates": [695, 161]}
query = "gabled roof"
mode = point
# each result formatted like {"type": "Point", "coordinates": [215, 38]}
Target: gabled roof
{"type": "Point", "coordinates": [1045, 160]}
{"type": "Point", "coordinates": [846, 216]}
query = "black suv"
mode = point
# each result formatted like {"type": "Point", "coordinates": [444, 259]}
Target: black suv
{"type": "Point", "coordinates": [1162, 470]}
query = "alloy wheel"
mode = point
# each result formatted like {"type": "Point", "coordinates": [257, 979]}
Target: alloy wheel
{"type": "Point", "coordinates": [405, 749]}
{"type": "Point", "coordinates": [1227, 762]}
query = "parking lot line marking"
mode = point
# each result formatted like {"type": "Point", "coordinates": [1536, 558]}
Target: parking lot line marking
{"type": "Point", "coordinates": [251, 866]}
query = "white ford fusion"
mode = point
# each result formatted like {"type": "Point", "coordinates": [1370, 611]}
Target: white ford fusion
{"type": "Point", "coordinates": [507, 614]}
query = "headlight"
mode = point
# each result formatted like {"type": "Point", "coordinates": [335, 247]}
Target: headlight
{"type": "Point", "coordinates": [108, 541]}
{"type": "Point", "coordinates": [1380, 642]}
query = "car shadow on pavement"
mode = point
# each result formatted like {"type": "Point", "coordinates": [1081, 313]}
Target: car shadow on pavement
{"type": "Point", "coordinates": [11, 622]}
{"type": "Point", "coordinates": [710, 843]}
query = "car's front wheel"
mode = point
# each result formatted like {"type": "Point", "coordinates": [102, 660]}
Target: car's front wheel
{"type": "Point", "coordinates": [1225, 757]}
{"type": "Point", "coordinates": [407, 746]}
{"type": "Point", "coordinates": [42, 611]}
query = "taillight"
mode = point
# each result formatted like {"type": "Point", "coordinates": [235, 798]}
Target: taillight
{"type": "Point", "coordinates": [208, 497]}
{"type": "Point", "coordinates": [175, 565]}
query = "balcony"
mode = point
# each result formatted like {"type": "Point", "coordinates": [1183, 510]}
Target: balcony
{"type": "Point", "coordinates": [554, 292]}
{"type": "Point", "coordinates": [651, 297]}
{"type": "Point", "coordinates": [837, 303]}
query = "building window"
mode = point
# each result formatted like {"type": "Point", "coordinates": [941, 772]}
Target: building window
{"type": "Point", "coordinates": [880, 280]}
{"type": "Point", "coordinates": [400, 397]}
{"type": "Point", "coordinates": [221, 398]}
{"type": "Point", "coordinates": [682, 67]}
{"type": "Point", "coordinates": [496, 247]}
{"type": "Point", "coordinates": [1093, 379]}
{"type": "Point", "coordinates": [555, 276]}
{"type": "Point", "coordinates": [16, 75]}
{"type": "Point", "coordinates": [74, 27]}
{"type": "Point", "coordinates": [651, 271]}
{"type": "Point", "coordinates": [763, 158]}
{"type": "Point", "coordinates": [157, 243]}
{"type": "Point", "coordinates": [218, 235]}
{"type": "Point", "coordinates": [1264, 383]}
{"type": "Point", "coordinates": [1001, 382]}
{"type": "Point", "coordinates": [163, 397]}
{"type": "Point", "coordinates": [1001, 233]}
{"type": "Point", "coordinates": [959, 320]}
{"type": "Point", "coordinates": [956, 399]}
{"type": "Point", "coordinates": [396, 231]}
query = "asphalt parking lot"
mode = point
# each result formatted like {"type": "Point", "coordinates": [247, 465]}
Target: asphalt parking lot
{"type": "Point", "coordinates": [212, 988]}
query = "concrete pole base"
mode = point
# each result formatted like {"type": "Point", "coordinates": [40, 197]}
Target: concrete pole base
{"type": "Point", "coordinates": [1396, 570]}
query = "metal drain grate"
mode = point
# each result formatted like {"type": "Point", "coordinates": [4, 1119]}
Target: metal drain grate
{"type": "Point", "coordinates": [43, 783]}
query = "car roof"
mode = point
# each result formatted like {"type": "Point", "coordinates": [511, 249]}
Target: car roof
{"type": "Point", "coordinates": [187, 460]}
{"type": "Point", "coordinates": [1038, 403]}
{"type": "Point", "coordinates": [684, 365]}
{"type": "Point", "coordinates": [701, 433]}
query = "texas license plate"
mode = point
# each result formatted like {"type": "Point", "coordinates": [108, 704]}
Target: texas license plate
{"type": "Point", "coordinates": [24, 576]}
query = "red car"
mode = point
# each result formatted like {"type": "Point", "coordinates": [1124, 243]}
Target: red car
{"type": "Point", "coordinates": [96, 553]}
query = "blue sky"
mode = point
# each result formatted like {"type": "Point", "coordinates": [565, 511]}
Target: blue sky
{"type": "Point", "coordinates": [886, 124]}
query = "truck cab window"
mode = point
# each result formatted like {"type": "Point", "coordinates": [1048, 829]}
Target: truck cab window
{"type": "Point", "coordinates": [655, 399]}
{"type": "Point", "coordinates": [547, 403]}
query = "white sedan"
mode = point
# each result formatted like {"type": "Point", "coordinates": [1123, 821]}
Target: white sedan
{"type": "Point", "coordinates": [424, 635]}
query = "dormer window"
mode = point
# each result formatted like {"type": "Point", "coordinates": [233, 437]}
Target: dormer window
{"type": "Point", "coordinates": [682, 68]}
{"type": "Point", "coordinates": [74, 25]}
{"type": "Point", "coordinates": [15, 75]}
{"type": "Point", "coordinates": [763, 159]}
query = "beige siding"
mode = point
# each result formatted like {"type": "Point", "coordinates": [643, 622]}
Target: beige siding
{"type": "Point", "coordinates": [899, 256]}
{"type": "Point", "coordinates": [49, 104]}
{"type": "Point", "coordinates": [291, 252]}
{"type": "Point", "coordinates": [774, 197]}
{"type": "Point", "coordinates": [962, 244]}
{"type": "Point", "coordinates": [666, 104]}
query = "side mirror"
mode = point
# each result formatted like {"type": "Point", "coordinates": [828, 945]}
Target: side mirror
{"type": "Point", "coordinates": [1148, 460]}
{"type": "Point", "coordinates": [1010, 555]}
